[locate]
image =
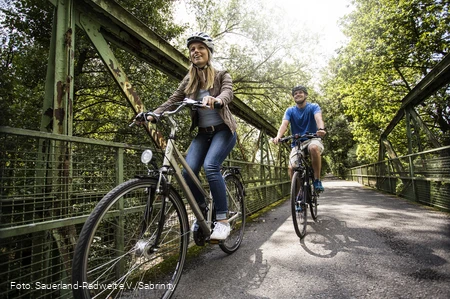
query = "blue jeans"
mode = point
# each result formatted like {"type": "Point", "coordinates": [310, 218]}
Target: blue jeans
{"type": "Point", "coordinates": [210, 150]}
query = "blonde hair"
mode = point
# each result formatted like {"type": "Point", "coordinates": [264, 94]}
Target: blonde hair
{"type": "Point", "coordinates": [194, 81]}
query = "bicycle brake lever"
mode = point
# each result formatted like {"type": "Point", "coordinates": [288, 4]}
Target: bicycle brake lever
{"type": "Point", "coordinates": [139, 117]}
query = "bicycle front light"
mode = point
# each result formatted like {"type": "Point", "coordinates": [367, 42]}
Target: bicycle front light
{"type": "Point", "coordinates": [146, 156]}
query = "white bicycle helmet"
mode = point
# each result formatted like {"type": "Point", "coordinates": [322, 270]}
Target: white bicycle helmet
{"type": "Point", "coordinates": [203, 38]}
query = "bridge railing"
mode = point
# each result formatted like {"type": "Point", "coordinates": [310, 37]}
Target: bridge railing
{"type": "Point", "coordinates": [422, 177]}
{"type": "Point", "coordinates": [45, 201]}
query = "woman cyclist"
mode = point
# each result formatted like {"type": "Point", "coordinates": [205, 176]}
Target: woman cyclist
{"type": "Point", "coordinates": [216, 135]}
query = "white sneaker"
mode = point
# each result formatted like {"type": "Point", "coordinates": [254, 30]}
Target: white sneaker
{"type": "Point", "coordinates": [221, 231]}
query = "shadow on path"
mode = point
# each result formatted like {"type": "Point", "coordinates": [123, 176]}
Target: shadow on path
{"type": "Point", "coordinates": [364, 244]}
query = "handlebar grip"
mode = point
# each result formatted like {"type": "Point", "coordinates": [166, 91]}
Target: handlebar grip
{"type": "Point", "coordinates": [139, 118]}
{"type": "Point", "coordinates": [217, 105]}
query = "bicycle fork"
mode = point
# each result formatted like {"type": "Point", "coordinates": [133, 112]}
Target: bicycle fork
{"type": "Point", "coordinates": [301, 199]}
{"type": "Point", "coordinates": [300, 205]}
{"type": "Point", "coordinates": [147, 246]}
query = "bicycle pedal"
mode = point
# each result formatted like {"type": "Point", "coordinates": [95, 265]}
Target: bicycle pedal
{"type": "Point", "coordinates": [198, 236]}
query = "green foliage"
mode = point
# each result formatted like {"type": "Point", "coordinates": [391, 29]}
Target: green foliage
{"type": "Point", "coordinates": [265, 57]}
{"type": "Point", "coordinates": [156, 14]}
{"type": "Point", "coordinates": [25, 39]}
{"type": "Point", "coordinates": [100, 111]}
{"type": "Point", "coordinates": [393, 44]}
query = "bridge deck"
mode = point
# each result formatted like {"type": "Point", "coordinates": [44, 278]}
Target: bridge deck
{"type": "Point", "coordinates": [365, 244]}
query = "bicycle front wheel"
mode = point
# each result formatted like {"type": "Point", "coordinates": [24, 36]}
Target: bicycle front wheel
{"type": "Point", "coordinates": [236, 212]}
{"type": "Point", "coordinates": [133, 244]}
{"type": "Point", "coordinates": [298, 205]}
{"type": "Point", "coordinates": [313, 203]}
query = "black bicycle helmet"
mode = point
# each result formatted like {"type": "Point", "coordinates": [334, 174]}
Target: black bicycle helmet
{"type": "Point", "coordinates": [203, 38]}
{"type": "Point", "coordinates": [296, 88]}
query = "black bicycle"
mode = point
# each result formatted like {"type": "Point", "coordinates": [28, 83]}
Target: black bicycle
{"type": "Point", "coordinates": [303, 193]}
{"type": "Point", "coordinates": [135, 241]}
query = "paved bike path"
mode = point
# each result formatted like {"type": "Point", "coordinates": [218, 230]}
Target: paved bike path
{"type": "Point", "coordinates": [364, 245]}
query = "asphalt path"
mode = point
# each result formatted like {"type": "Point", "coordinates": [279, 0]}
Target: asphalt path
{"type": "Point", "coordinates": [365, 244]}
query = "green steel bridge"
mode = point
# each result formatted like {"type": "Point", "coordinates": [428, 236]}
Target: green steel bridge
{"type": "Point", "coordinates": [49, 187]}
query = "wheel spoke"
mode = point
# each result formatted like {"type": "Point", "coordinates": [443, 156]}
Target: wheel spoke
{"type": "Point", "coordinates": [114, 250]}
{"type": "Point", "coordinates": [236, 207]}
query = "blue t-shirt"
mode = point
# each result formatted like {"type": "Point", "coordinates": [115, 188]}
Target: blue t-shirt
{"type": "Point", "coordinates": [302, 120]}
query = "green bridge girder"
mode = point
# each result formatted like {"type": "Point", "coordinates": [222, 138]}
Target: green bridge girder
{"type": "Point", "coordinates": [50, 189]}
{"type": "Point", "coordinates": [105, 20]}
{"type": "Point", "coordinates": [436, 79]}
{"type": "Point", "coordinates": [40, 221]}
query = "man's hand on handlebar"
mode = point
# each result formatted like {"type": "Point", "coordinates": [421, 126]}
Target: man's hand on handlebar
{"type": "Point", "coordinates": [276, 140]}
{"type": "Point", "coordinates": [321, 133]}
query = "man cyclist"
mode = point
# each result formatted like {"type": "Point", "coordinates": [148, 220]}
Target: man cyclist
{"type": "Point", "coordinates": [304, 118]}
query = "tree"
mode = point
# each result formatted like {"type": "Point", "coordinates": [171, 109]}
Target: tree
{"type": "Point", "coordinates": [393, 44]}
{"type": "Point", "coordinates": [25, 37]}
{"type": "Point", "coordinates": [265, 57]}
{"type": "Point", "coordinates": [99, 108]}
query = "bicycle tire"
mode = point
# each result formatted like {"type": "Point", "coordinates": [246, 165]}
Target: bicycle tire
{"type": "Point", "coordinates": [115, 250]}
{"type": "Point", "coordinates": [313, 203]}
{"type": "Point", "coordinates": [236, 206]}
{"type": "Point", "coordinates": [298, 205]}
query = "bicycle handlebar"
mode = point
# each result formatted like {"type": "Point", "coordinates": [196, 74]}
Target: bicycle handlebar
{"type": "Point", "coordinates": [298, 136]}
{"type": "Point", "coordinates": [142, 116]}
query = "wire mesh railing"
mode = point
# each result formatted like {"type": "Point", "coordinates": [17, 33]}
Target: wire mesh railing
{"type": "Point", "coordinates": [422, 177]}
{"type": "Point", "coordinates": [48, 186]}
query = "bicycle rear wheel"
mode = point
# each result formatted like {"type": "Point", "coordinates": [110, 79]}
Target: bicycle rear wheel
{"type": "Point", "coordinates": [116, 255]}
{"type": "Point", "coordinates": [236, 212]}
{"type": "Point", "coordinates": [298, 205]}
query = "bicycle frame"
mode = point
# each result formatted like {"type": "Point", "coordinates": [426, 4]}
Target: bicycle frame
{"type": "Point", "coordinates": [143, 221]}
{"type": "Point", "coordinates": [305, 167]}
{"type": "Point", "coordinates": [303, 160]}
{"type": "Point", "coordinates": [172, 156]}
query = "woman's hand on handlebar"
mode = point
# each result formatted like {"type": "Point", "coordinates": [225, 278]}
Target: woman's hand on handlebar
{"type": "Point", "coordinates": [150, 118]}
{"type": "Point", "coordinates": [141, 118]}
{"type": "Point", "coordinates": [210, 102]}
{"type": "Point", "coordinates": [207, 102]}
